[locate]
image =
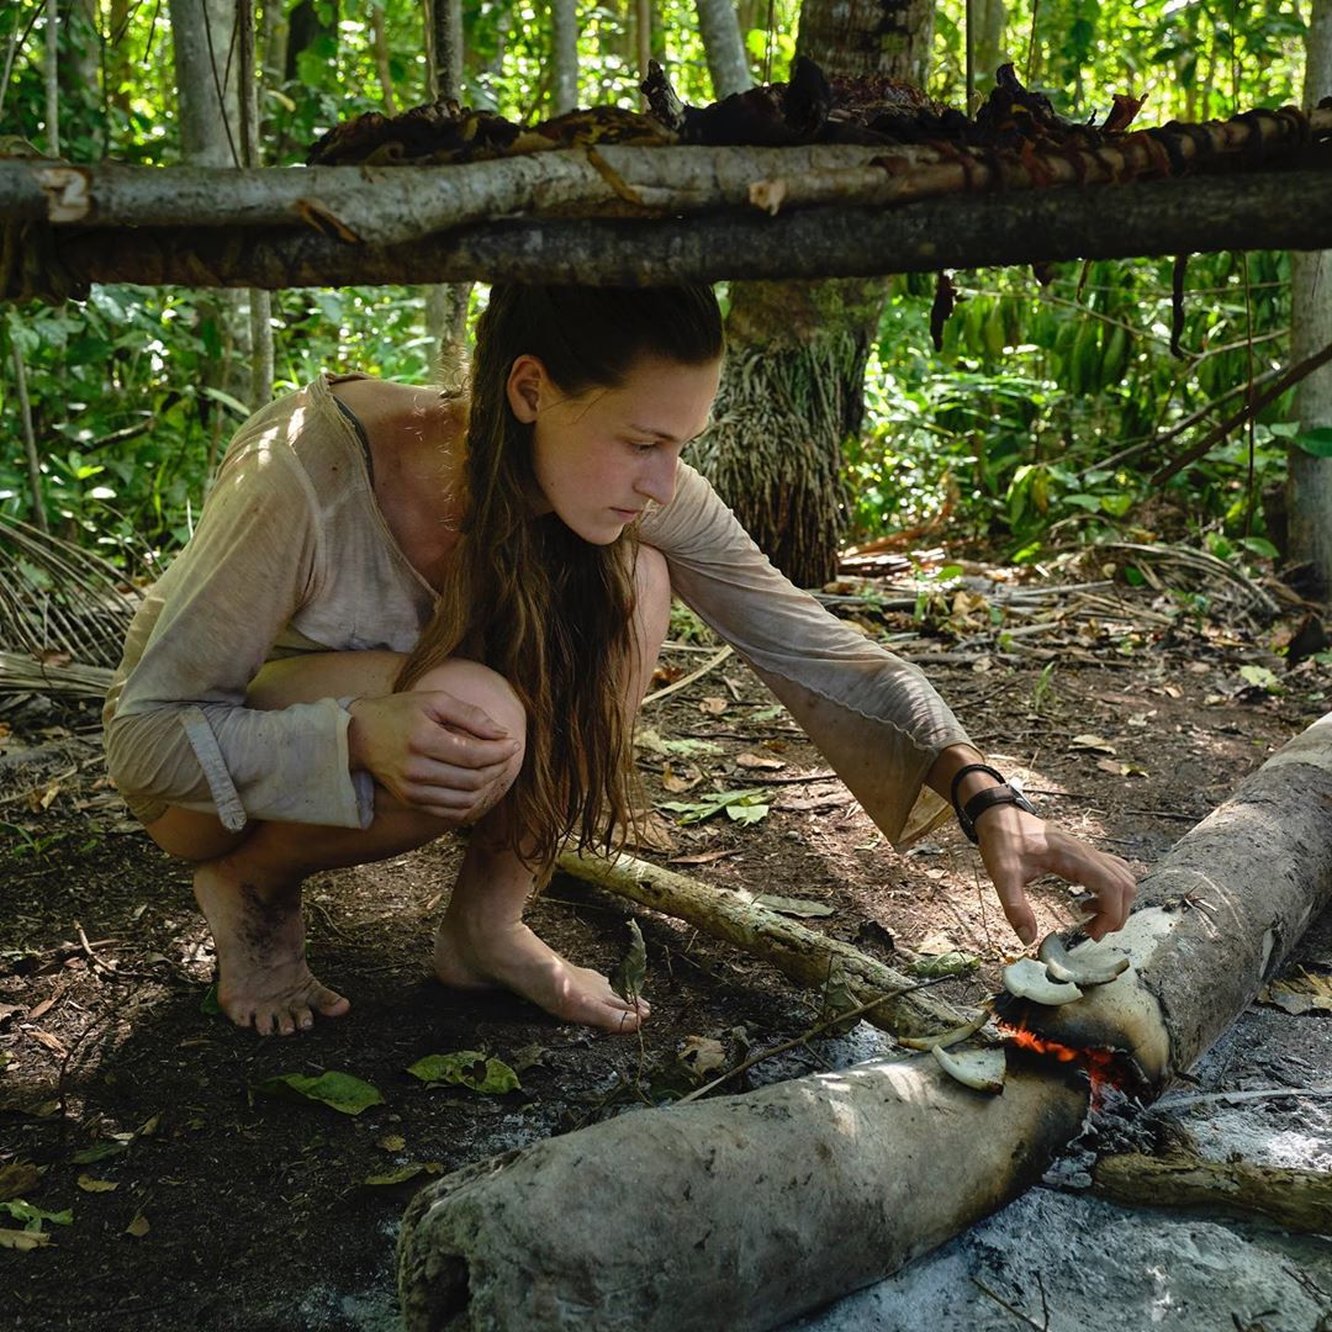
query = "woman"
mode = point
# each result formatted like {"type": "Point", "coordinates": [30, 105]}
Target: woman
{"type": "Point", "coordinates": [404, 613]}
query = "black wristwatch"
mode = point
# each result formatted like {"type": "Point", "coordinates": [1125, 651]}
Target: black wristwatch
{"type": "Point", "coordinates": [1008, 792]}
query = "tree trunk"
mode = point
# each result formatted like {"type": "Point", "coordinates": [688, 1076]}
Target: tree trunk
{"type": "Point", "coordinates": [724, 47]}
{"type": "Point", "coordinates": [446, 49]}
{"type": "Point", "coordinates": [1309, 478]}
{"type": "Point", "coordinates": [793, 388]}
{"type": "Point", "coordinates": [988, 42]}
{"type": "Point", "coordinates": [446, 303]}
{"type": "Point", "coordinates": [205, 41]}
{"type": "Point", "coordinates": [564, 43]}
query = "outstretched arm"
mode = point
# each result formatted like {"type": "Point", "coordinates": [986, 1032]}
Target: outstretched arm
{"type": "Point", "coordinates": [1018, 847]}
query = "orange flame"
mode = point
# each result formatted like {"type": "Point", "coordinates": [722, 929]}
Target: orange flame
{"type": "Point", "coordinates": [1104, 1068]}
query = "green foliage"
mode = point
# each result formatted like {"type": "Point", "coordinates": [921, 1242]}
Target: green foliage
{"type": "Point", "coordinates": [1033, 423]}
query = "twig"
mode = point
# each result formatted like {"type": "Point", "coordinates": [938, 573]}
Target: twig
{"type": "Point", "coordinates": [1004, 1304]}
{"type": "Point", "coordinates": [1273, 391]}
{"type": "Point", "coordinates": [1258, 1094]}
{"type": "Point", "coordinates": [835, 1021]}
{"type": "Point", "coordinates": [689, 679]}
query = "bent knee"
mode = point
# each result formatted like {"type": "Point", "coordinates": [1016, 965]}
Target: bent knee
{"type": "Point", "coordinates": [479, 685]}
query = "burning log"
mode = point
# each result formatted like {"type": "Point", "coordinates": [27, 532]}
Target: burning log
{"type": "Point", "coordinates": [745, 1211]}
{"type": "Point", "coordinates": [1217, 918]}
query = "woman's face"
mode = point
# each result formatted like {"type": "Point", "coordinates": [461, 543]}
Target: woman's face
{"type": "Point", "coordinates": [603, 455]}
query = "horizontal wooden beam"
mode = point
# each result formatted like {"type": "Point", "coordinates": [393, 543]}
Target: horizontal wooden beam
{"type": "Point", "coordinates": [1285, 209]}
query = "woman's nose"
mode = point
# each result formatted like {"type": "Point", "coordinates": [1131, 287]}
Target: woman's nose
{"type": "Point", "coordinates": [657, 482]}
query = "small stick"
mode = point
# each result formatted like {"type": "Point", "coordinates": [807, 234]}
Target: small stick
{"type": "Point", "coordinates": [689, 679]}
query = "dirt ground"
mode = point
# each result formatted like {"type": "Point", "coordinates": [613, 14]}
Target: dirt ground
{"type": "Point", "coordinates": [196, 1200]}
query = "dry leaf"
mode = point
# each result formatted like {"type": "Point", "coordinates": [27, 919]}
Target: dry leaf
{"type": "Point", "coordinates": [713, 706]}
{"type": "Point", "coordinates": [703, 1054]}
{"type": "Point", "coordinates": [685, 780]}
{"type": "Point", "coordinates": [52, 1043]}
{"type": "Point", "coordinates": [651, 832]}
{"type": "Point", "coordinates": [1304, 993]}
{"type": "Point", "coordinates": [90, 1185]}
{"type": "Point", "coordinates": [139, 1227]}
{"type": "Point", "coordinates": [391, 1142]}
{"type": "Point", "coordinates": [766, 762]}
{"type": "Point", "coordinates": [768, 195]}
{"type": "Point", "coordinates": [1093, 743]}
{"type": "Point", "coordinates": [17, 1179]}
{"type": "Point", "coordinates": [42, 1009]}
{"type": "Point", "coordinates": [23, 1240]}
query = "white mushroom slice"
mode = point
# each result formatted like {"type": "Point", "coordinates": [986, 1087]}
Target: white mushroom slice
{"type": "Point", "coordinates": [946, 1038]}
{"type": "Point", "coordinates": [1028, 980]}
{"type": "Point", "coordinates": [1079, 968]}
{"type": "Point", "coordinates": [981, 1070]}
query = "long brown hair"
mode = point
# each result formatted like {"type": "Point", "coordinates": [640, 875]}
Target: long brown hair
{"type": "Point", "coordinates": [550, 612]}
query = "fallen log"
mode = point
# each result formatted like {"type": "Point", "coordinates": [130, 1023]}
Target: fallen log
{"type": "Point", "coordinates": [387, 204]}
{"type": "Point", "coordinates": [1296, 1199]}
{"type": "Point", "coordinates": [849, 977]}
{"type": "Point", "coordinates": [747, 1210]}
{"type": "Point", "coordinates": [1269, 210]}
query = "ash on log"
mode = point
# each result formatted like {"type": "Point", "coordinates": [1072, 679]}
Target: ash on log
{"type": "Point", "coordinates": [745, 1211]}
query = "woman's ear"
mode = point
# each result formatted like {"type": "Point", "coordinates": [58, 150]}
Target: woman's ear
{"type": "Point", "coordinates": [527, 379]}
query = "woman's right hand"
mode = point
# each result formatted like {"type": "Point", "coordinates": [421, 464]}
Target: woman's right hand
{"type": "Point", "coordinates": [433, 752]}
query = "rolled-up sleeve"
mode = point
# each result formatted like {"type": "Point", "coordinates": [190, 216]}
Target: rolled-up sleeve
{"type": "Point", "coordinates": [873, 716]}
{"type": "Point", "coordinates": [177, 728]}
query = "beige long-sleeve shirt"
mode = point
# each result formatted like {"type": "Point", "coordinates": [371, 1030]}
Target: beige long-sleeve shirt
{"type": "Point", "coordinates": [292, 554]}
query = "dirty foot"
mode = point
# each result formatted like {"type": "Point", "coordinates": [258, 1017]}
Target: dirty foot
{"type": "Point", "coordinates": [263, 979]}
{"type": "Point", "coordinates": [513, 957]}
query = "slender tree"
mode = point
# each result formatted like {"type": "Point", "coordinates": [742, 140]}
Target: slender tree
{"type": "Point", "coordinates": [564, 35]}
{"type": "Point", "coordinates": [446, 303]}
{"type": "Point", "coordinates": [719, 27]}
{"type": "Point", "coordinates": [205, 41]}
{"type": "Point", "coordinates": [793, 389]}
{"type": "Point", "coordinates": [1309, 478]}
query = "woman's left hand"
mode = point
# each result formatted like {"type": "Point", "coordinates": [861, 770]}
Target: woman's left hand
{"type": "Point", "coordinates": [1018, 847]}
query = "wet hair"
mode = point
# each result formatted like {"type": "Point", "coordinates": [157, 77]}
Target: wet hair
{"type": "Point", "coordinates": [552, 613]}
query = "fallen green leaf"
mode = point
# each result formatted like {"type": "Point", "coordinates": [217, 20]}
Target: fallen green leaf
{"type": "Point", "coordinates": [342, 1092]}
{"type": "Point", "coordinates": [99, 1151]}
{"type": "Point", "coordinates": [467, 1068]}
{"type": "Point", "coordinates": [1261, 678]}
{"type": "Point", "coordinates": [630, 975]}
{"type": "Point", "coordinates": [33, 1217]}
{"type": "Point", "coordinates": [696, 811]}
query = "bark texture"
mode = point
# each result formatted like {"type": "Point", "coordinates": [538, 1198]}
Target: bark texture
{"type": "Point", "coordinates": [564, 37]}
{"type": "Point", "coordinates": [1217, 918]}
{"type": "Point", "coordinates": [750, 1209]}
{"type": "Point", "coordinates": [1309, 479]}
{"type": "Point", "coordinates": [1298, 1200]}
{"type": "Point", "coordinates": [1290, 211]}
{"type": "Point", "coordinates": [793, 387]}
{"type": "Point", "coordinates": [724, 47]}
{"type": "Point", "coordinates": [848, 977]}
{"type": "Point", "coordinates": [744, 1211]}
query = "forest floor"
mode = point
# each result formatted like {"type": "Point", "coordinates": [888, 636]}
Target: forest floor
{"type": "Point", "coordinates": [172, 1191]}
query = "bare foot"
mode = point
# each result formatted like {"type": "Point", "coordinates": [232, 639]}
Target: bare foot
{"type": "Point", "coordinates": [511, 956]}
{"type": "Point", "coordinates": [263, 979]}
